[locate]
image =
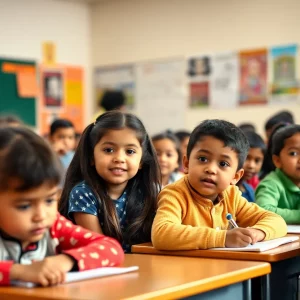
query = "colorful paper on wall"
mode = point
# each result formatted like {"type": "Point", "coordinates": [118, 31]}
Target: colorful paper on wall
{"type": "Point", "coordinates": [27, 85]}
{"type": "Point", "coordinates": [119, 78]}
{"type": "Point", "coordinates": [284, 62]}
{"type": "Point", "coordinates": [49, 53]}
{"type": "Point", "coordinates": [224, 84]}
{"type": "Point", "coordinates": [253, 77]}
{"type": "Point", "coordinates": [198, 71]}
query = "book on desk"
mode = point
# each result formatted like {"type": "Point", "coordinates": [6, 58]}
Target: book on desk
{"type": "Point", "coordinates": [262, 246]}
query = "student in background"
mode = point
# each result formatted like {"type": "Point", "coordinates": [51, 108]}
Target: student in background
{"type": "Point", "coordinates": [247, 127]}
{"type": "Point", "coordinates": [10, 120]}
{"type": "Point", "coordinates": [252, 165]}
{"type": "Point", "coordinates": [167, 148]}
{"type": "Point", "coordinates": [192, 212]}
{"type": "Point", "coordinates": [283, 116]}
{"type": "Point", "coordinates": [183, 136]}
{"type": "Point", "coordinates": [36, 243]}
{"type": "Point", "coordinates": [62, 138]}
{"type": "Point", "coordinates": [268, 165]}
{"type": "Point", "coordinates": [279, 192]}
{"type": "Point", "coordinates": [112, 182]}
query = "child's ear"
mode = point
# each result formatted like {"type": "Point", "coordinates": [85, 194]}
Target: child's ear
{"type": "Point", "coordinates": [185, 164]}
{"type": "Point", "coordinates": [238, 175]}
{"type": "Point", "coordinates": [276, 161]}
{"type": "Point", "coordinates": [140, 166]}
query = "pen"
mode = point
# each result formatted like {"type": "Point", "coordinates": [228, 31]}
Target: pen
{"type": "Point", "coordinates": [231, 221]}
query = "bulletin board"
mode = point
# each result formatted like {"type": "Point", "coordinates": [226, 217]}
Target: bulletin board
{"type": "Point", "coordinates": [15, 75]}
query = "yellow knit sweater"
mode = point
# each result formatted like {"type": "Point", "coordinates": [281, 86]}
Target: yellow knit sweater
{"type": "Point", "coordinates": [186, 221]}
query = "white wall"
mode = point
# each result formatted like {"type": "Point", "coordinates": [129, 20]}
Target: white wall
{"type": "Point", "coordinates": [135, 30]}
{"type": "Point", "coordinates": [25, 24]}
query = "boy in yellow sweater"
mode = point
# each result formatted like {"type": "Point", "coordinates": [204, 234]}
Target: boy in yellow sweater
{"type": "Point", "coordinates": [192, 211]}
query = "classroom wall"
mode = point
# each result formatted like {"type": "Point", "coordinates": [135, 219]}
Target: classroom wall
{"type": "Point", "coordinates": [25, 24]}
{"type": "Point", "coordinates": [136, 30]}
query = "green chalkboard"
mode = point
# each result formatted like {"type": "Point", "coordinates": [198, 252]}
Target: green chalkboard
{"type": "Point", "coordinates": [10, 102]}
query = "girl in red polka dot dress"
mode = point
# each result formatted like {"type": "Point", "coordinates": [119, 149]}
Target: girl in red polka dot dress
{"type": "Point", "coordinates": [37, 244]}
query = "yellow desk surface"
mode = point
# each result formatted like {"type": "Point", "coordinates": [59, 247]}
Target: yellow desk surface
{"type": "Point", "coordinates": [159, 277]}
{"type": "Point", "coordinates": [277, 254]}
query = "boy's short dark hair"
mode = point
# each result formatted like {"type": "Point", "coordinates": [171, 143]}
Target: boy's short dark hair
{"type": "Point", "coordinates": [224, 131]}
{"type": "Point", "coordinates": [60, 123]}
{"type": "Point", "coordinates": [255, 141]}
{"type": "Point", "coordinates": [247, 127]}
{"type": "Point", "coordinates": [182, 134]}
{"type": "Point", "coordinates": [281, 135]}
{"type": "Point", "coordinates": [282, 116]}
{"type": "Point", "coordinates": [112, 100]}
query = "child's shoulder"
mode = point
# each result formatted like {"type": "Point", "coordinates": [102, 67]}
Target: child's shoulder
{"type": "Point", "coordinates": [277, 178]}
{"type": "Point", "coordinates": [81, 187]}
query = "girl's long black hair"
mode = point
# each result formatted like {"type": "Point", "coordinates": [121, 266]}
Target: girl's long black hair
{"type": "Point", "coordinates": [142, 189]}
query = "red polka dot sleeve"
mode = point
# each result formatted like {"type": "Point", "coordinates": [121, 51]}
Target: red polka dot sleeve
{"type": "Point", "coordinates": [90, 250]}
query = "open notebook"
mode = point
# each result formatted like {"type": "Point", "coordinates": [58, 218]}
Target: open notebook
{"type": "Point", "coordinates": [262, 246]}
{"type": "Point", "coordinates": [77, 276]}
{"type": "Point", "coordinates": [293, 228]}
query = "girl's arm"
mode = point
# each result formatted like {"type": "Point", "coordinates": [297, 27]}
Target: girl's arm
{"type": "Point", "coordinates": [88, 221]}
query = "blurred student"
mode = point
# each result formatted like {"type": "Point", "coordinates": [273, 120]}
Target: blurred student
{"type": "Point", "coordinates": [183, 137]}
{"type": "Point", "coordinates": [36, 243]}
{"type": "Point", "coordinates": [279, 191]}
{"type": "Point", "coordinates": [10, 120]}
{"type": "Point", "coordinates": [252, 165]}
{"type": "Point", "coordinates": [167, 148]}
{"type": "Point", "coordinates": [283, 116]}
{"type": "Point", "coordinates": [247, 127]}
{"type": "Point", "coordinates": [192, 212]}
{"type": "Point", "coordinates": [113, 181]}
{"type": "Point", "coordinates": [62, 138]}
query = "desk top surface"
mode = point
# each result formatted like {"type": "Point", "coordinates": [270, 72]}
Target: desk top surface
{"type": "Point", "coordinates": [159, 277]}
{"type": "Point", "coordinates": [277, 254]}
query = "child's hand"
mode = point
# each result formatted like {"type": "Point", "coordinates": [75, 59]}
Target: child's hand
{"type": "Point", "coordinates": [49, 271]}
{"type": "Point", "coordinates": [240, 237]}
{"type": "Point", "coordinates": [257, 235]}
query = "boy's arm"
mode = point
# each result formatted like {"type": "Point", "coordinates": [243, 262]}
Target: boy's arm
{"type": "Point", "coordinates": [90, 250]}
{"type": "Point", "coordinates": [268, 195]}
{"type": "Point", "coordinates": [251, 215]}
{"type": "Point", "coordinates": [168, 232]}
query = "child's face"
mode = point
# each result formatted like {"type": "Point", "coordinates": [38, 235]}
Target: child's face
{"type": "Point", "coordinates": [212, 167]}
{"type": "Point", "coordinates": [289, 158]}
{"type": "Point", "coordinates": [117, 157]}
{"type": "Point", "coordinates": [27, 215]}
{"type": "Point", "coordinates": [167, 156]}
{"type": "Point", "coordinates": [65, 136]}
{"type": "Point", "coordinates": [253, 163]}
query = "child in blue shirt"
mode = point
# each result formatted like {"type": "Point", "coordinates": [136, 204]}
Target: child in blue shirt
{"type": "Point", "coordinates": [112, 182]}
{"type": "Point", "coordinates": [252, 164]}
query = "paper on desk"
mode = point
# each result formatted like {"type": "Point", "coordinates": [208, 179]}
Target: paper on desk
{"type": "Point", "coordinates": [77, 276]}
{"type": "Point", "coordinates": [293, 228]}
{"type": "Point", "coordinates": [262, 246]}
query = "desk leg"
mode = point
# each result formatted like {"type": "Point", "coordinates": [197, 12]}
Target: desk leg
{"type": "Point", "coordinates": [265, 282]}
{"type": "Point", "coordinates": [247, 290]}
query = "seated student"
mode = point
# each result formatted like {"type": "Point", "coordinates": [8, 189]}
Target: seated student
{"type": "Point", "coordinates": [192, 212]}
{"type": "Point", "coordinates": [36, 243]}
{"type": "Point", "coordinates": [252, 164]}
{"type": "Point", "coordinates": [62, 138]}
{"type": "Point", "coordinates": [279, 191]}
{"type": "Point", "coordinates": [183, 136]}
{"type": "Point", "coordinates": [167, 148]}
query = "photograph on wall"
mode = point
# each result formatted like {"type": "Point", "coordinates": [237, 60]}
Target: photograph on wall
{"type": "Point", "coordinates": [116, 78]}
{"type": "Point", "coordinates": [284, 62]}
{"type": "Point", "coordinates": [224, 83]}
{"type": "Point", "coordinates": [198, 71]}
{"type": "Point", "coordinates": [53, 89]}
{"type": "Point", "coordinates": [253, 77]}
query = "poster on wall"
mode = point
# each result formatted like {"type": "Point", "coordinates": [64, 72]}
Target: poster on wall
{"type": "Point", "coordinates": [284, 63]}
{"type": "Point", "coordinates": [198, 71]}
{"type": "Point", "coordinates": [224, 84]}
{"type": "Point", "coordinates": [120, 78]}
{"type": "Point", "coordinates": [253, 77]}
{"type": "Point", "coordinates": [52, 88]}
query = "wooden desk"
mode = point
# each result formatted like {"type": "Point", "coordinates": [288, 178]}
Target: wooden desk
{"type": "Point", "coordinates": [285, 263]}
{"type": "Point", "coordinates": [159, 277]}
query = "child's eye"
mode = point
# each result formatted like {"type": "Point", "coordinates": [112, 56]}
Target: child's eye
{"type": "Point", "coordinates": [108, 150]}
{"type": "Point", "coordinates": [23, 207]}
{"type": "Point", "coordinates": [293, 153]}
{"type": "Point", "coordinates": [224, 164]}
{"type": "Point", "coordinates": [50, 201]}
{"type": "Point", "coordinates": [202, 159]}
{"type": "Point", "coordinates": [258, 160]}
{"type": "Point", "coordinates": [130, 151]}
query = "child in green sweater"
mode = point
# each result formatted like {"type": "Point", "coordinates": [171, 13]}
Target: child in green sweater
{"type": "Point", "coordinates": [279, 191]}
